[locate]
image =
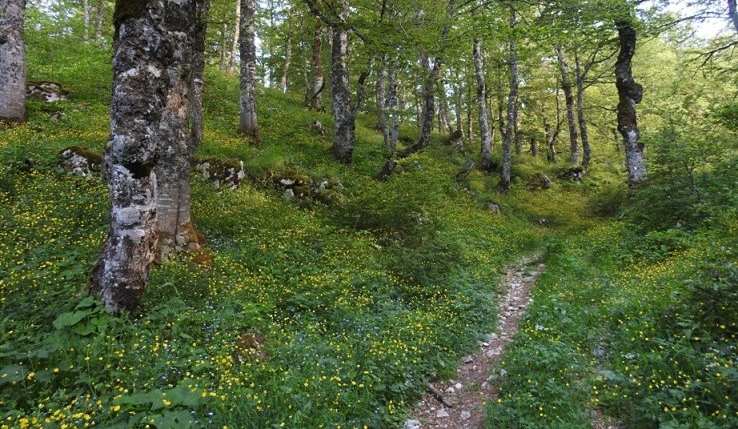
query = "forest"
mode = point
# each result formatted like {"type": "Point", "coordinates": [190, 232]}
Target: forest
{"type": "Point", "coordinates": [369, 214]}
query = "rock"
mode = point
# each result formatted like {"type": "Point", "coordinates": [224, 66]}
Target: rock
{"type": "Point", "coordinates": [539, 181]}
{"type": "Point", "coordinates": [450, 390]}
{"type": "Point", "coordinates": [468, 359]}
{"type": "Point", "coordinates": [494, 208]}
{"type": "Point", "coordinates": [543, 221]}
{"type": "Point", "coordinates": [79, 161]}
{"type": "Point", "coordinates": [288, 194]}
{"type": "Point", "coordinates": [318, 127]}
{"type": "Point", "coordinates": [56, 116]}
{"type": "Point", "coordinates": [221, 172]}
{"type": "Point", "coordinates": [465, 415]}
{"type": "Point", "coordinates": [442, 413]}
{"type": "Point", "coordinates": [575, 174]}
{"type": "Point", "coordinates": [458, 386]}
{"type": "Point", "coordinates": [46, 91]}
{"type": "Point", "coordinates": [411, 424]}
{"type": "Point", "coordinates": [287, 182]}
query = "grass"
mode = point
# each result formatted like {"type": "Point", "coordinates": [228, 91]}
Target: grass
{"type": "Point", "coordinates": [309, 315]}
{"type": "Point", "coordinates": [334, 315]}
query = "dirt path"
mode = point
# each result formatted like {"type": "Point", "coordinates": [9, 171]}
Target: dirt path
{"type": "Point", "coordinates": [459, 403]}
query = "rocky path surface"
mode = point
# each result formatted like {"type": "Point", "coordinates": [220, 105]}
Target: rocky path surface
{"type": "Point", "coordinates": [460, 402]}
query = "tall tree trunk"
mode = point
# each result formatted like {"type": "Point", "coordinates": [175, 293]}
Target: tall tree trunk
{"type": "Point", "coordinates": [733, 13]}
{"type": "Point", "coordinates": [552, 136]}
{"type": "Point", "coordinates": [569, 98]}
{"type": "Point", "coordinates": [12, 61]}
{"type": "Point", "coordinates": [223, 31]}
{"type": "Point", "coordinates": [287, 62]}
{"type": "Point", "coordinates": [343, 140]}
{"type": "Point", "coordinates": [630, 94]}
{"type": "Point", "coordinates": [458, 104]}
{"type": "Point", "coordinates": [150, 113]}
{"type": "Point", "coordinates": [236, 38]}
{"type": "Point", "coordinates": [469, 109]}
{"type": "Point", "coordinates": [392, 123]}
{"type": "Point", "coordinates": [174, 218]}
{"type": "Point", "coordinates": [248, 124]}
{"type": "Point", "coordinates": [445, 108]}
{"type": "Point", "coordinates": [99, 19]}
{"type": "Point", "coordinates": [86, 19]}
{"type": "Point", "coordinates": [428, 102]}
{"type": "Point", "coordinates": [380, 95]}
{"type": "Point", "coordinates": [484, 128]}
{"type": "Point", "coordinates": [313, 95]}
{"type": "Point", "coordinates": [512, 116]}
{"type": "Point", "coordinates": [586, 150]}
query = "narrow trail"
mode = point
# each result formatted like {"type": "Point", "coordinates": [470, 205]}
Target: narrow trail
{"type": "Point", "coordinates": [460, 402]}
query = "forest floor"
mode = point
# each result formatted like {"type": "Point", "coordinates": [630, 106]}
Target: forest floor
{"type": "Point", "coordinates": [459, 403]}
{"type": "Point", "coordinates": [336, 310]}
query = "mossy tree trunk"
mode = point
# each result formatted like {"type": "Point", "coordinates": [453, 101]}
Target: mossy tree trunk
{"type": "Point", "coordinates": [566, 86]}
{"type": "Point", "coordinates": [484, 126]}
{"type": "Point", "coordinates": [150, 139]}
{"type": "Point", "coordinates": [12, 61]}
{"type": "Point", "coordinates": [512, 112]}
{"type": "Point", "coordinates": [248, 123]}
{"type": "Point", "coordinates": [630, 94]}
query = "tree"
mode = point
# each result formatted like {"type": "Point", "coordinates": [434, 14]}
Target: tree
{"type": "Point", "coordinates": [150, 114]}
{"type": "Point", "coordinates": [484, 126]}
{"type": "Point", "coordinates": [248, 124]}
{"type": "Point", "coordinates": [316, 82]}
{"type": "Point", "coordinates": [512, 114]}
{"type": "Point", "coordinates": [12, 61]}
{"type": "Point", "coordinates": [630, 94]}
{"type": "Point", "coordinates": [566, 86]}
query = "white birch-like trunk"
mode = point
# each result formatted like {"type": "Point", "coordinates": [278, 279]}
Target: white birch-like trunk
{"type": "Point", "coordinates": [569, 100]}
{"type": "Point", "coordinates": [484, 126]}
{"type": "Point", "coordinates": [512, 114]}
{"type": "Point", "coordinates": [248, 123]}
{"type": "Point", "coordinates": [12, 61]}
{"type": "Point", "coordinates": [236, 38]}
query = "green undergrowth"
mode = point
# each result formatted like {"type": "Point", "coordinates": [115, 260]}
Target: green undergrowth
{"type": "Point", "coordinates": [636, 317]}
{"type": "Point", "coordinates": [304, 317]}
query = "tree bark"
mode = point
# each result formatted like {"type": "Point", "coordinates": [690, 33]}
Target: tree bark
{"type": "Point", "coordinates": [428, 101]}
{"type": "Point", "coordinates": [236, 38]}
{"type": "Point", "coordinates": [12, 61]}
{"type": "Point", "coordinates": [174, 218]}
{"type": "Point", "coordinates": [313, 94]}
{"type": "Point", "coordinates": [392, 124]}
{"type": "Point", "coordinates": [150, 116]}
{"type": "Point", "coordinates": [630, 94]}
{"type": "Point", "coordinates": [248, 123]}
{"type": "Point", "coordinates": [733, 13]}
{"type": "Point", "coordinates": [569, 99]}
{"type": "Point", "coordinates": [552, 136]}
{"type": "Point", "coordinates": [343, 139]}
{"type": "Point", "coordinates": [484, 127]}
{"type": "Point", "coordinates": [86, 19]}
{"type": "Point", "coordinates": [99, 19]}
{"type": "Point", "coordinates": [583, 132]}
{"type": "Point", "coordinates": [443, 108]}
{"type": "Point", "coordinates": [380, 95]}
{"type": "Point", "coordinates": [287, 62]}
{"type": "Point", "coordinates": [223, 30]}
{"type": "Point", "coordinates": [458, 104]}
{"type": "Point", "coordinates": [512, 114]}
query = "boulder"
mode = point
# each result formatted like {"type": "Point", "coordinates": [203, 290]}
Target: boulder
{"type": "Point", "coordinates": [494, 208]}
{"type": "Point", "coordinates": [221, 172]}
{"type": "Point", "coordinates": [79, 161]}
{"type": "Point", "coordinates": [574, 174]}
{"type": "Point", "coordinates": [539, 181]}
{"type": "Point", "coordinates": [49, 92]}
